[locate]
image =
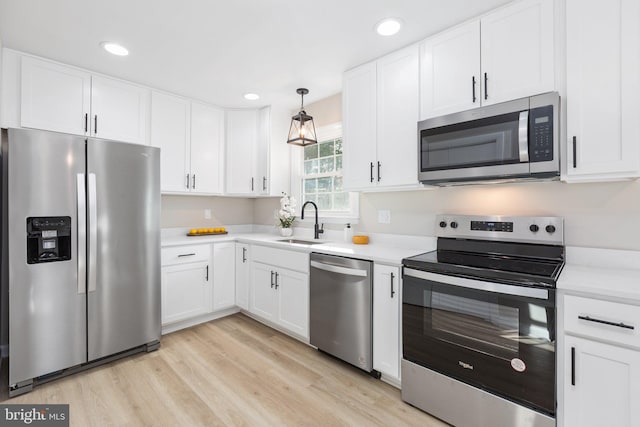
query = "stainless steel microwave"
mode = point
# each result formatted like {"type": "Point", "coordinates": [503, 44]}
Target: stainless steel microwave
{"type": "Point", "coordinates": [513, 140]}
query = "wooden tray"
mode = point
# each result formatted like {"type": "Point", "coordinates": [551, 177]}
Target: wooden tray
{"type": "Point", "coordinates": [208, 234]}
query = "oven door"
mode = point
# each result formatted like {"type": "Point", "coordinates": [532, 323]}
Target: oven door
{"type": "Point", "coordinates": [498, 337]}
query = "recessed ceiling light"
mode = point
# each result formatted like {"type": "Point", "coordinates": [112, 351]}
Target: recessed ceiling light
{"type": "Point", "coordinates": [115, 48]}
{"type": "Point", "coordinates": [251, 96]}
{"type": "Point", "coordinates": [388, 27]}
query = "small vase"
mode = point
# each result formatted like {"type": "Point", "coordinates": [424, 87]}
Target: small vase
{"type": "Point", "coordinates": [286, 232]}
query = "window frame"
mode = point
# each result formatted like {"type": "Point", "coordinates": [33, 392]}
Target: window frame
{"type": "Point", "coordinates": [324, 133]}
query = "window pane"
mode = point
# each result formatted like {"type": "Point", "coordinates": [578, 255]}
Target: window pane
{"type": "Point", "coordinates": [341, 201]}
{"type": "Point", "coordinates": [326, 149]}
{"type": "Point", "coordinates": [325, 184]}
{"type": "Point", "coordinates": [338, 145]}
{"type": "Point", "coordinates": [324, 201]}
{"type": "Point", "coordinates": [311, 152]}
{"type": "Point", "coordinates": [310, 166]}
{"type": "Point", "coordinates": [338, 163]}
{"type": "Point", "coordinates": [309, 186]}
{"type": "Point", "coordinates": [326, 165]}
{"type": "Point", "coordinates": [337, 183]}
{"type": "Point", "coordinates": [310, 198]}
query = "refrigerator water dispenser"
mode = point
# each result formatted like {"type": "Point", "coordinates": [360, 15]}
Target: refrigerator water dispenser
{"type": "Point", "coordinates": [48, 239]}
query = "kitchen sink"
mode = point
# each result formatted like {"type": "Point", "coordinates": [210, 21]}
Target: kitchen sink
{"type": "Point", "coordinates": [301, 242]}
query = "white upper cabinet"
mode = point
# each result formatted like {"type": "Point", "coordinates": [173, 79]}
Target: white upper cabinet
{"type": "Point", "coordinates": [65, 99]}
{"type": "Point", "coordinates": [54, 97]}
{"type": "Point", "coordinates": [517, 51]}
{"type": "Point", "coordinates": [448, 61]}
{"type": "Point", "coordinates": [191, 138]}
{"type": "Point", "coordinates": [170, 131]}
{"type": "Point", "coordinates": [118, 110]}
{"type": "Point", "coordinates": [359, 126]}
{"type": "Point", "coordinates": [381, 103]}
{"type": "Point", "coordinates": [504, 55]}
{"type": "Point", "coordinates": [603, 65]}
{"type": "Point", "coordinates": [207, 149]}
{"type": "Point", "coordinates": [247, 151]}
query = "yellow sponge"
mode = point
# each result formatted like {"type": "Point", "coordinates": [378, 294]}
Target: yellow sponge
{"type": "Point", "coordinates": [360, 240]}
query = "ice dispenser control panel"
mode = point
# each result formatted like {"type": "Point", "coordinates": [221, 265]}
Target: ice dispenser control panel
{"type": "Point", "coordinates": [48, 239]}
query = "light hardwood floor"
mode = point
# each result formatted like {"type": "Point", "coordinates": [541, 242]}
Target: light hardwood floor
{"type": "Point", "coordinates": [231, 371]}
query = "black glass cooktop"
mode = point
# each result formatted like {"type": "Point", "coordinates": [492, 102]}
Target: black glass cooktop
{"type": "Point", "coordinates": [517, 263]}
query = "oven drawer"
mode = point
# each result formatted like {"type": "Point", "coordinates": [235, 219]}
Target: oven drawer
{"type": "Point", "coordinates": [611, 321]}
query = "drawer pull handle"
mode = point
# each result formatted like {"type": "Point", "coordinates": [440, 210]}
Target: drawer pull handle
{"type": "Point", "coordinates": [605, 322]}
{"type": "Point", "coordinates": [573, 366]}
{"type": "Point", "coordinates": [183, 255]}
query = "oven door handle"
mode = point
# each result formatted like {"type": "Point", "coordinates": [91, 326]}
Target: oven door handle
{"type": "Point", "coordinates": [501, 288]}
{"type": "Point", "coordinates": [523, 136]}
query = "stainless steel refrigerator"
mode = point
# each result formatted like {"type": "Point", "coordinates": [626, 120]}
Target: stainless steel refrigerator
{"type": "Point", "coordinates": [80, 252]}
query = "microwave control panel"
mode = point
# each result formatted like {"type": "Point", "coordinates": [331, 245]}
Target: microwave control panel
{"type": "Point", "coordinates": [541, 134]}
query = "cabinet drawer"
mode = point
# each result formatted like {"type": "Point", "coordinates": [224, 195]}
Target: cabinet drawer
{"type": "Point", "coordinates": [293, 260]}
{"type": "Point", "coordinates": [605, 320]}
{"type": "Point", "coordinates": [185, 254]}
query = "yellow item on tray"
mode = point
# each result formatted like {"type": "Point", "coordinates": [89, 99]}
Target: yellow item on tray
{"type": "Point", "coordinates": [360, 240]}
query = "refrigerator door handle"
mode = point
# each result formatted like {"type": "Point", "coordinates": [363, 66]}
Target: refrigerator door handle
{"type": "Point", "coordinates": [82, 234]}
{"type": "Point", "coordinates": [93, 232]}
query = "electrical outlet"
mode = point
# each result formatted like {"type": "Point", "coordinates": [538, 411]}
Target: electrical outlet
{"type": "Point", "coordinates": [207, 214]}
{"type": "Point", "coordinates": [384, 216]}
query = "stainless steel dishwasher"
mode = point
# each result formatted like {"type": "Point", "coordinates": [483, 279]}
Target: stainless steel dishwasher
{"type": "Point", "coordinates": [341, 309]}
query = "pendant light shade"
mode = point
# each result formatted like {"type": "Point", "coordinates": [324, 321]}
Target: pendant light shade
{"type": "Point", "coordinates": [302, 131]}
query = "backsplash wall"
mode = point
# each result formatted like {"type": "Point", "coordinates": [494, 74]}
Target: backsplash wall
{"type": "Point", "coordinates": [188, 211]}
{"type": "Point", "coordinates": [605, 215]}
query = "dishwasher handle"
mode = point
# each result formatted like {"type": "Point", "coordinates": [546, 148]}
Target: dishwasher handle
{"type": "Point", "coordinates": [340, 270]}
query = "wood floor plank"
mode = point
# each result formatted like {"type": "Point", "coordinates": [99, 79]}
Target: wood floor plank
{"type": "Point", "coordinates": [232, 371]}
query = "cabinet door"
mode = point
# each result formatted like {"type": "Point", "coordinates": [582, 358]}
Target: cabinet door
{"type": "Point", "coordinates": [170, 132]}
{"type": "Point", "coordinates": [263, 141]}
{"type": "Point", "coordinates": [186, 291]}
{"type": "Point", "coordinates": [264, 298]}
{"type": "Point", "coordinates": [517, 51]}
{"type": "Point", "coordinates": [398, 92]}
{"type": "Point", "coordinates": [241, 128]}
{"type": "Point", "coordinates": [207, 149]}
{"type": "Point", "coordinates": [242, 276]}
{"type": "Point", "coordinates": [602, 106]}
{"type": "Point", "coordinates": [118, 110]}
{"type": "Point", "coordinates": [224, 275]}
{"type": "Point", "coordinates": [450, 71]}
{"type": "Point", "coordinates": [607, 385]}
{"type": "Point", "coordinates": [359, 127]}
{"type": "Point", "coordinates": [54, 97]}
{"type": "Point", "coordinates": [386, 320]}
{"type": "Point", "coordinates": [293, 296]}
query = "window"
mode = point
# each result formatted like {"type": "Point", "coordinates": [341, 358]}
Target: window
{"type": "Point", "coordinates": [321, 175]}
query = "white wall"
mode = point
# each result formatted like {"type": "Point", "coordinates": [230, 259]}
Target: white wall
{"type": "Point", "coordinates": [605, 215]}
{"type": "Point", "coordinates": [188, 211]}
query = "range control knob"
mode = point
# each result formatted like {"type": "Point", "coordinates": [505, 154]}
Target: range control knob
{"type": "Point", "coordinates": [443, 224]}
{"type": "Point", "coordinates": [534, 228]}
{"type": "Point", "coordinates": [454, 224]}
{"type": "Point", "coordinates": [550, 229]}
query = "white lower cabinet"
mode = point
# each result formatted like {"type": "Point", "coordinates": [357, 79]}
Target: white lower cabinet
{"type": "Point", "coordinates": [604, 384]}
{"type": "Point", "coordinates": [186, 284]}
{"type": "Point", "coordinates": [280, 288]}
{"type": "Point", "coordinates": [600, 373]}
{"type": "Point", "coordinates": [386, 320]}
{"type": "Point", "coordinates": [224, 275]}
{"type": "Point", "coordinates": [243, 273]}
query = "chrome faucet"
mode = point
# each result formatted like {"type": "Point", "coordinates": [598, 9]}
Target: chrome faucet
{"type": "Point", "coordinates": [317, 230]}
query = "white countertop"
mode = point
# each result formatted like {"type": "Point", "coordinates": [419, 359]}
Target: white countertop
{"type": "Point", "coordinates": [382, 248]}
{"type": "Point", "coordinates": [602, 273]}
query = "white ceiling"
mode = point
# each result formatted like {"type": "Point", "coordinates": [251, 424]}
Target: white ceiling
{"type": "Point", "coordinates": [216, 50]}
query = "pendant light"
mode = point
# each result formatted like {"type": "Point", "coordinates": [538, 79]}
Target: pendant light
{"type": "Point", "coordinates": [302, 131]}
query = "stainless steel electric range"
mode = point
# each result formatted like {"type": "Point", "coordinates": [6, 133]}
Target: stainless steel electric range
{"type": "Point", "coordinates": [479, 321]}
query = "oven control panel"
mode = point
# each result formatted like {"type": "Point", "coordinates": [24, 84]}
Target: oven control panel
{"type": "Point", "coordinates": [532, 229]}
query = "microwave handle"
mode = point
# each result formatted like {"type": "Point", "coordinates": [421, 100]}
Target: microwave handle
{"type": "Point", "coordinates": [523, 136]}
